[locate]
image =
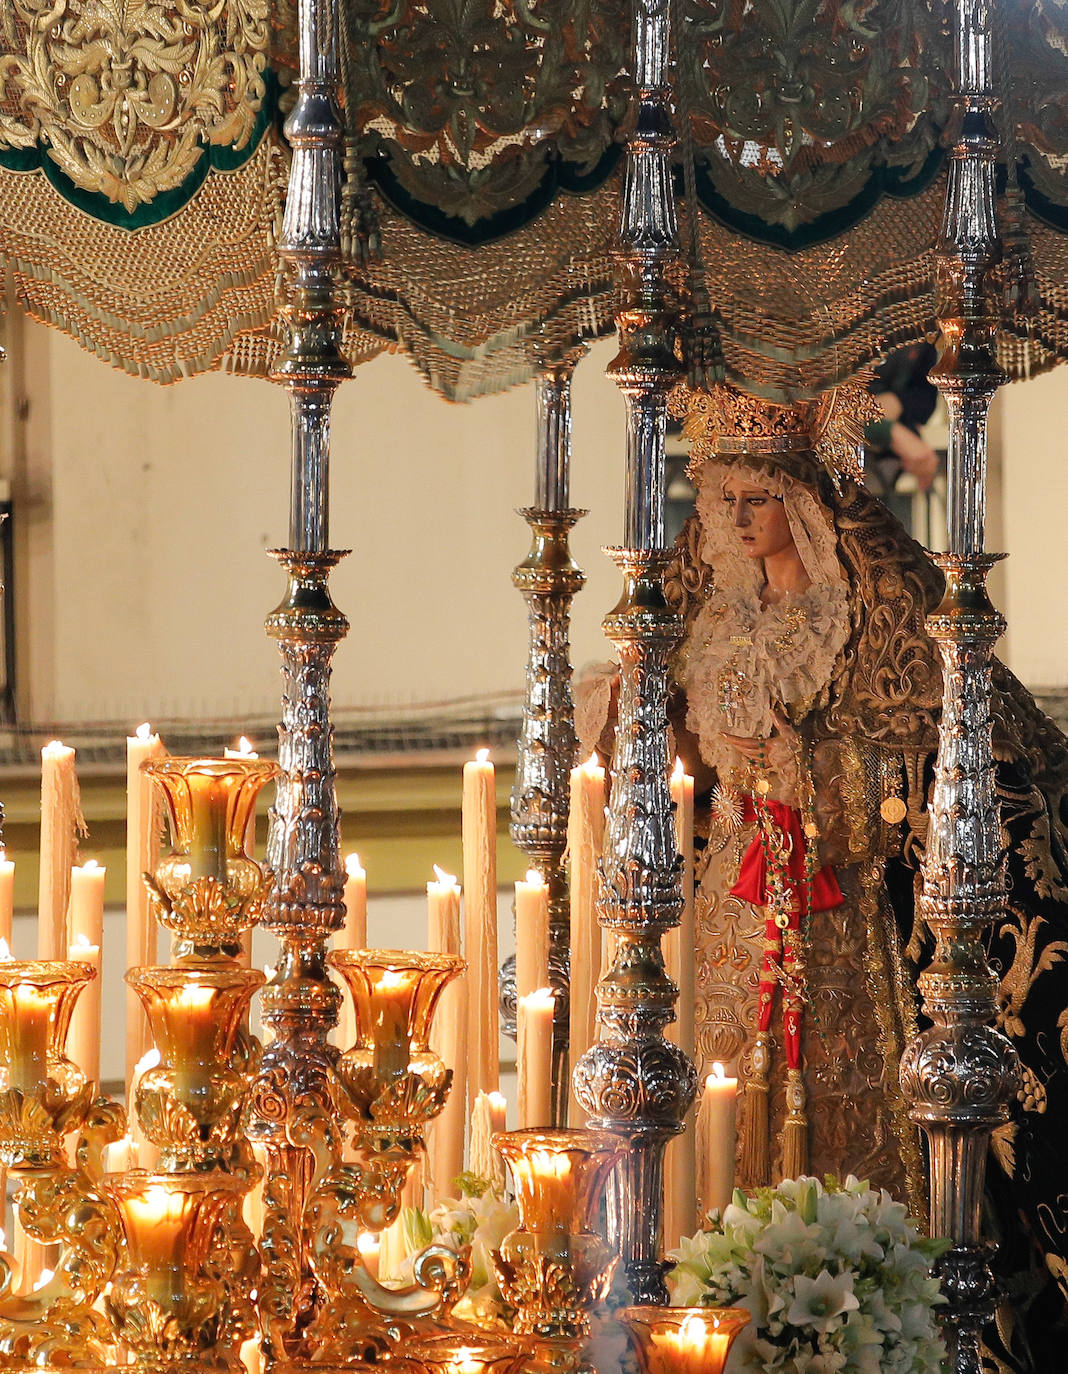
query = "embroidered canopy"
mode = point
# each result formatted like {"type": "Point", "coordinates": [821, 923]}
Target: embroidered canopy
{"type": "Point", "coordinates": [142, 169]}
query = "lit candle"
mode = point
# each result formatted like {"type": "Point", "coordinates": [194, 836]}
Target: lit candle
{"type": "Point", "coordinates": [680, 1160]}
{"type": "Point", "coordinates": [445, 1134]}
{"type": "Point", "coordinates": [585, 840]}
{"type": "Point", "coordinates": [83, 1038]}
{"type": "Point", "coordinates": [143, 1154]}
{"type": "Point", "coordinates": [118, 1157]}
{"type": "Point", "coordinates": [700, 1345]}
{"type": "Point", "coordinates": [531, 934]}
{"type": "Point", "coordinates": [245, 750]}
{"type": "Point", "coordinates": [29, 1058]}
{"type": "Point", "coordinates": [716, 1139]}
{"type": "Point", "coordinates": [354, 933]}
{"type": "Point", "coordinates": [252, 1355]}
{"type": "Point", "coordinates": [488, 1118]}
{"type": "Point", "coordinates": [143, 813]}
{"type": "Point", "coordinates": [7, 896]}
{"type": "Point", "coordinates": [61, 821]}
{"type": "Point", "coordinates": [534, 1058]}
{"type": "Point", "coordinates": [480, 924]}
{"type": "Point", "coordinates": [390, 1006]}
{"type": "Point", "coordinates": [370, 1247]}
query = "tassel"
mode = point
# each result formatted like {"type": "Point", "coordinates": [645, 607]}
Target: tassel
{"type": "Point", "coordinates": [795, 1128]}
{"type": "Point", "coordinates": [756, 1128]}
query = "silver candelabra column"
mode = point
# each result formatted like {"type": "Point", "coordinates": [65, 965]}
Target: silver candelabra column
{"type": "Point", "coordinates": [633, 1081]}
{"type": "Point", "coordinates": [548, 579]}
{"type": "Point", "coordinates": [300, 1003]}
{"type": "Point", "coordinates": [960, 1075]}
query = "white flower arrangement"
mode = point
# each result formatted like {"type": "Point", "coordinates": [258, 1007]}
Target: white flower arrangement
{"type": "Point", "coordinates": [836, 1275]}
{"type": "Point", "coordinates": [481, 1218]}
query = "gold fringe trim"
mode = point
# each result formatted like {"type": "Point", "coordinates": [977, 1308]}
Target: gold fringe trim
{"type": "Point", "coordinates": [795, 1128]}
{"type": "Point", "coordinates": [756, 1128]}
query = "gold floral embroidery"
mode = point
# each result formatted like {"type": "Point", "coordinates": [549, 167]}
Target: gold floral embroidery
{"type": "Point", "coordinates": [124, 94]}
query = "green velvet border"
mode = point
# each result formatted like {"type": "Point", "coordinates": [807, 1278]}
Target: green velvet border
{"type": "Point", "coordinates": [167, 203]}
{"type": "Point", "coordinates": [884, 181]}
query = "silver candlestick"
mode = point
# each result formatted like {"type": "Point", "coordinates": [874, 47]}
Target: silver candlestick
{"type": "Point", "coordinates": [548, 579]}
{"type": "Point", "coordinates": [633, 1081]}
{"type": "Point", "coordinates": [300, 1003]}
{"type": "Point", "coordinates": [961, 1074]}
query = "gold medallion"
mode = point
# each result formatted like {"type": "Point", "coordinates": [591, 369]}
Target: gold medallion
{"type": "Point", "coordinates": [893, 810]}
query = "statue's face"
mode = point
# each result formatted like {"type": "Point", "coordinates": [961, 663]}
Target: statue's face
{"type": "Point", "coordinates": [759, 518]}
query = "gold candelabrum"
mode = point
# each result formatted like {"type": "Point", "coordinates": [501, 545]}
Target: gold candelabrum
{"type": "Point", "coordinates": [158, 1267]}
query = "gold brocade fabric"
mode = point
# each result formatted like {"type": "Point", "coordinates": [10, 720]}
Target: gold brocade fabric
{"type": "Point", "coordinates": [854, 1107]}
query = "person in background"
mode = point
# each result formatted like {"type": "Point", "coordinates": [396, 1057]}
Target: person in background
{"type": "Point", "coordinates": [908, 399]}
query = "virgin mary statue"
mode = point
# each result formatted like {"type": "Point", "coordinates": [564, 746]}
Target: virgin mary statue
{"type": "Point", "coordinates": [806, 705]}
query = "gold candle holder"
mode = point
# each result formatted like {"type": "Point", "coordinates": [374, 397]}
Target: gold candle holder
{"type": "Point", "coordinates": [683, 1340]}
{"type": "Point", "coordinates": [208, 890]}
{"type": "Point", "coordinates": [43, 1095]}
{"type": "Point", "coordinates": [394, 1079]}
{"type": "Point", "coordinates": [553, 1268]}
{"type": "Point", "coordinates": [168, 1307]}
{"type": "Point", "coordinates": [464, 1355]}
{"type": "Point", "coordinates": [190, 1103]}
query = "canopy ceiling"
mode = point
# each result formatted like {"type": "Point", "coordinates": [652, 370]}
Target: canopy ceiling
{"type": "Point", "coordinates": [142, 171]}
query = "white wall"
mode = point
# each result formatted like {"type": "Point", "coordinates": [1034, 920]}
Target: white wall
{"type": "Point", "coordinates": [164, 501]}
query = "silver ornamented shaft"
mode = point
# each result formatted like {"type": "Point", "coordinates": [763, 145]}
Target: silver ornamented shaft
{"type": "Point", "coordinates": [961, 1074]}
{"type": "Point", "coordinates": [300, 1003]}
{"type": "Point", "coordinates": [633, 1081]}
{"type": "Point", "coordinates": [548, 579]}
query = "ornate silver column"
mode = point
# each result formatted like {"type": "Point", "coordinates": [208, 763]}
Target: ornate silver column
{"type": "Point", "coordinates": [632, 1080]}
{"type": "Point", "coordinates": [960, 1075]}
{"type": "Point", "coordinates": [300, 1002]}
{"type": "Point", "coordinates": [548, 579]}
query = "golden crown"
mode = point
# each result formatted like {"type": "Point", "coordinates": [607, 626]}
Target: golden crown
{"type": "Point", "coordinates": [825, 432]}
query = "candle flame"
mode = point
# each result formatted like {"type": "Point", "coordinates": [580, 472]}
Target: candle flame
{"type": "Point", "coordinates": [81, 941]}
{"type": "Point", "coordinates": [353, 867]}
{"type": "Point", "coordinates": [592, 763]}
{"type": "Point", "coordinates": [482, 756]}
{"type": "Point", "coordinates": [90, 866]}
{"type": "Point", "coordinates": [5, 951]}
{"type": "Point", "coordinates": [543, 999]}
{"type": "Point", "coordinates": [718, 1070]}
{"type": "Point", "coordinates": [694, 1331]}
{"type": "Point", "coordinates": [368, 1243]}
{"type": "Point", "coordinates": [144, 731]}
{"type": "Point", "coordinates": [679, 772]}
{"type": "Point", "coordinates": [147, 1061]}
{"type": "Point", "coordinates": [534, 878]}
{"type": "Point", "coordinates": [55, 748]}
{"type": "Point", "coordinates": [244, 745]}
{"type": "Point", "coordinates": [391, 978]}
{"type": "Point", "coordinates": [448, 879]}
{"type": "Point", "coordinates": [497, 1100]}
{"type": "Point", "coordinates": [47, 1275]}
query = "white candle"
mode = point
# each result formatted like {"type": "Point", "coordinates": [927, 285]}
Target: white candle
{"type": "Point", "coordinates": [83, 1038]}
{"type": "Point", "coordinates": [7, 896]}
{"type": "Point", "coordinates": [354, 932]}
{"type": "Point", "coordinates": [352, 935]}
{"type": "Point", "coordinates": [142, 854]}
{"type": "Point", "coordinates": [534, 1017]}
{"type": "Point", "coordinates": [445, 1134]}
{"type": "Point", "coordinates": [144, 1155]}
{"type": "Point", "coordinates": [531, 934]}
{"type": "Point", "coordinates": [716, 1139]}
{"type": "Point", "coordinates": [480, 924]}
{"type": "Point", "coordinates": [680, 1161]}
{"type": "Point", "coordinates": [488, 1118]}
{"type": "Point", "coordinates": [61, 822]}
{"type": "Point", "coordinates": [585, 840]}
{"type": "Point", "coordinates": [245, 750]}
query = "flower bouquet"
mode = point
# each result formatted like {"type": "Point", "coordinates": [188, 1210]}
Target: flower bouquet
{"type": "Point", "coordinates": [481, 1218]}
{"type": "Point", "coordinates": [836, 1276]}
